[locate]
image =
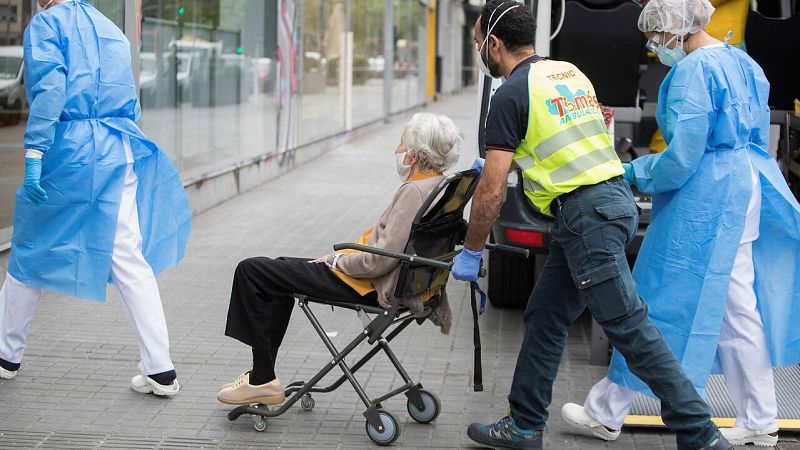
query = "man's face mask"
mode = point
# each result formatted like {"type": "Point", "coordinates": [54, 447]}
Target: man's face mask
{"type": "Point", "coordinates": [485, 65]}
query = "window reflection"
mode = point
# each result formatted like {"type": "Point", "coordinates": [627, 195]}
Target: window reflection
{"type": "Point", "coordinates": [214, 87]}
{"type": "Point", "coordinates": [14, 17]}
{"type": "Point", "coordinates": [368, 60]}
{"type": "Point", "coordinates": [324, 28]}
{"type": "Point", "coordinates": [406, 91]}
{"type": "Point", "coordinates": [208, 80]}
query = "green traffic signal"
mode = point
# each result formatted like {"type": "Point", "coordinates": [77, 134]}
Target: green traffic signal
{"type": "Point", "coordinates": [181, 10]}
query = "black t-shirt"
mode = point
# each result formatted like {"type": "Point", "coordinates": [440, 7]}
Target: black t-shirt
{"type": "Point", "coordinates": [507, 121]}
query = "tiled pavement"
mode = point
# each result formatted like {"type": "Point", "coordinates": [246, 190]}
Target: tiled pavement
{"type": "Point", "coordinates": [73, 391]}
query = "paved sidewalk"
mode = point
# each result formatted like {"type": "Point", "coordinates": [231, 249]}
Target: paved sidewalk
{"type": "Point", "coordinates": [73, 389]}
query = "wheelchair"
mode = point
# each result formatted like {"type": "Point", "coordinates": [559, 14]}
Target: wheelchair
{"type": "Point", "coordinates": [437, 229]}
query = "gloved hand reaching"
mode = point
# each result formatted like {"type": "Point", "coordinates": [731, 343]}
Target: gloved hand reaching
{"type": "Point", "coordinates": [628, 175]}
{"type": "Point", "coordinates": [466, 265]}
{"type": "Point", "coordinates": [478, 164]}
{"type": "Point", "coordinates": [33, 174]}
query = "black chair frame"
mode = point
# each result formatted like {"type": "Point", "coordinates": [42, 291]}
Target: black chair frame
{"type": "Point", "coordinates": [437, 229]}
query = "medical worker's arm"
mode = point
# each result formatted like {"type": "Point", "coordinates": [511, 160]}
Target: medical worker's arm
{"type": "Point", "coordinates": [690, 115]}
{"type": "Point", "coordinates": [760, 106]}
{"type": "Point", "coordinates": [506, 125]}
{"type": "Point", "coordinates": [487, 198]}
{"type": "Point", "coordinates": [485, 208]}
{"type": "Point", "coordinates": [45, 82]}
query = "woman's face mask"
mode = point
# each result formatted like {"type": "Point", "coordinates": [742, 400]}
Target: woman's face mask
{"type": "Point", "coordinates": [668, 56]}
{"type": "Point", "coordinates": [403, 171]}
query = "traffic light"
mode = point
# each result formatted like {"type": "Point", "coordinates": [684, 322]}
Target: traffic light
{"type": "Point", "coordinates": [181, 8]}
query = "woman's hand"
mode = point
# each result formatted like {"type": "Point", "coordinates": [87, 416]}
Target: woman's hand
{"type": "Point", "coordinates": [327, 260]}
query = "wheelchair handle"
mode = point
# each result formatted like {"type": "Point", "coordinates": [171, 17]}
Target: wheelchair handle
{"type": "Point", "coordinates": [396, 255]}
{"type": "Point", "coordinates": [515, 251]}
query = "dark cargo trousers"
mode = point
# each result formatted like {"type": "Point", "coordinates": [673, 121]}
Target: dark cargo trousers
{"type": "Point", "coordinates": [587, 267]}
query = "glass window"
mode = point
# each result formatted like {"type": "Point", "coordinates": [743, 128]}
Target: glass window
{"type": "Point", "coordinates": [208, 80]}
{"type": "Point", "coordinates": [406, 91]}
{"type": "Point", "coordinates": [113, 9]}
{"type": "Point", "coordinates": [322, 105]}
{"type": "Point", "coordinates": [368, 61]}
{"type": "Point", "coordinates": [14, 17]}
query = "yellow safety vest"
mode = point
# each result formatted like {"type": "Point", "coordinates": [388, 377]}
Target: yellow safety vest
{"type": "Point", "coordinates": [567, 144]}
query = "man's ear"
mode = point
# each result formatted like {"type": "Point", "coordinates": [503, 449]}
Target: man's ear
{"type": "Point", "coordinates": [495, 43]}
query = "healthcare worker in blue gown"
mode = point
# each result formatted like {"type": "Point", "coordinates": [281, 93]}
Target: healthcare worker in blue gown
{"type": "Point", "coordinates": [100, 202]}
{"type": "Point", "coordinates": [718, 267]}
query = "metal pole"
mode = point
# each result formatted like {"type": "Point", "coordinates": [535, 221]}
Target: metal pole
{"type": "Point", "coordinates": [542, 43]}
{"type": "Point", "coordinates": [8, 22]}
{"type": "Point", "coordinates": [388, 57]}
{"type": "Point", "coordinates": [131, 21]}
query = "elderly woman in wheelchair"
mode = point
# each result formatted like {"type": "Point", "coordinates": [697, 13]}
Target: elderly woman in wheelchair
{"type": "Point", "coordinates": [265, 290]}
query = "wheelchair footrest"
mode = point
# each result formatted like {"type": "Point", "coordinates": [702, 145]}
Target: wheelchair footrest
{"type": "Point", "coordinates": [255, 409]}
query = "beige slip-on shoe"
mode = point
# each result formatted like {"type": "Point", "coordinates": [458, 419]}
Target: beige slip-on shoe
{"type": "Point", "coordinates": [244, 393]}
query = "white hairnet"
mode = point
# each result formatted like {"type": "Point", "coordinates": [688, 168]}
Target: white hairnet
{"type": "Point", "coordinates": [678, 17]}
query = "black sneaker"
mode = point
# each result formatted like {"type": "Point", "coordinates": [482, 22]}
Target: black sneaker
{"type": "Point", "coordinates": [719, 443]}
{"type": "Point", "coordinates": [505, 434]}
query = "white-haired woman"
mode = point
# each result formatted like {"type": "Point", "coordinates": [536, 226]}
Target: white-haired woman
{"type": "Point", "coordinates": [261, 302]}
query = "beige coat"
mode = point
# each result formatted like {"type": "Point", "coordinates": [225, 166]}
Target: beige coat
{"type": "Point", "coordinates": [391, 233]}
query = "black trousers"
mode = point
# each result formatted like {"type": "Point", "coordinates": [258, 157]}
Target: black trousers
{"type": "Point", "coordinates": [261, 302]}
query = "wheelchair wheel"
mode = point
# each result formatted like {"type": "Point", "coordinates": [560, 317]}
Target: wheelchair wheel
{"type": "Point", "coordinates": [429, 412]}
{"type": "Point", "coordinates": [391, 429]}
{"type": "Point", "coordinates": [307, 403]}
{"type": "Point", "coordinates": [259, 423]}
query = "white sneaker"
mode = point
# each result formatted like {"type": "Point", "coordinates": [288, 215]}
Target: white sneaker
{"type": "Point", "coordinates": [7, 374]}
{"type": "Point", "coordinates": [744, 436]}
{"type": "Point", "coordinates": [147, 385]}
{"type": "Point", "coordinates": [577, 416]}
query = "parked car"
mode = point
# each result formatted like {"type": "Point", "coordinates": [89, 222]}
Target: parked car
{"type": "Point", "coordinates": [12, 89]}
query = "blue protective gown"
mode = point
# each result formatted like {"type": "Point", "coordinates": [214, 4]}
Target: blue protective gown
{"type": "Point", "coordinates": [713, 110]}
{"type": "Point", "coordinates": [82, 100]}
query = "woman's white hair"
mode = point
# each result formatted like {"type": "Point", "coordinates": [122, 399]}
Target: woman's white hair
{"type": "Point", "coordinates": [436, 139]}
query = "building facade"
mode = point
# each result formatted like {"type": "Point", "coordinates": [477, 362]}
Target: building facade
{"type": "Point", "coordinates": [237, 91]}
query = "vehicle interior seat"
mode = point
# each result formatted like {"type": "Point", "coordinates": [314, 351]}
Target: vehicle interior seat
{"type": "Point", "coordinates": [763, 36]}
{"type": "Point", "coordinates": [602, 39]}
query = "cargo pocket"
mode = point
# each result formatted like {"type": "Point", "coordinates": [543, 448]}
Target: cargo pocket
{"type": "Point", "coordinates": [616, 210]}
{"type": "Point", "coordinates": [603, 291]}
{"type": "Point", "coordinates": [619, 221]}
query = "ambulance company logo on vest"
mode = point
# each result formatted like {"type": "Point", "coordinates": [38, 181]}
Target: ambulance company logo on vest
{"type": "Point", "coordinates": [572, 106]}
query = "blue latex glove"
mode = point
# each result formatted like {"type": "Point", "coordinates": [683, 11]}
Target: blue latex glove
{"type": "Point", "coordinates": [466, 265]}
{"type": "Point", "coordinates": [478, 164]}
{"type": "Point", "coordinates": [33, 173]}
{"type": "Point", "coordinates": [628, 173]}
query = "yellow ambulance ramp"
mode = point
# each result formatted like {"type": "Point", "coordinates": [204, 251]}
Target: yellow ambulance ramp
{"type": "Point", "coordinates": [646, 411]}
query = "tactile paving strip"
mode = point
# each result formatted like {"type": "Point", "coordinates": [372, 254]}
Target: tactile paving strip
{"type": "Point", "coordinates": [65, 440]}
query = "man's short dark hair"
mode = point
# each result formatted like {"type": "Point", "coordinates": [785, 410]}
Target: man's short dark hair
{"type": "Point", "coordinates": [516, 29]}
